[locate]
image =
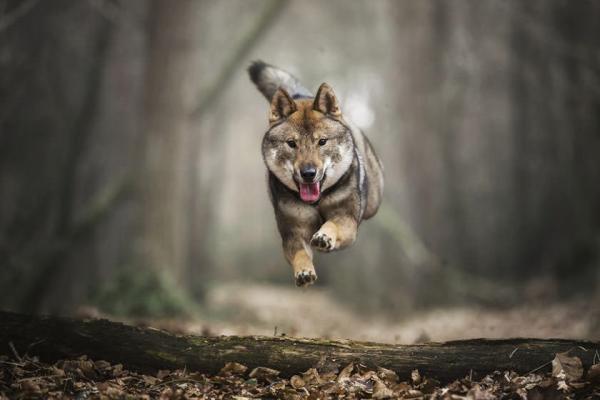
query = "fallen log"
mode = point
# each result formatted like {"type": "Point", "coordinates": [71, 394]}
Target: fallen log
{"type": "Point", "coordinates": [148, 350]}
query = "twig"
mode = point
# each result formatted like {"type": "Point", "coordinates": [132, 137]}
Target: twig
{"type": "Point", "coordinates": [513, 352]}
{"type": "Point", "coordinates": [14, 351]}
{"type": "Point", "coordinates": [540, 367]}
{"type": "Point", "coordinates": [12, 363]}
{"type": "Point", "coordinates": [9, 19]}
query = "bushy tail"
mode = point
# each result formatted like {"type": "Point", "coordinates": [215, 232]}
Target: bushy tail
{"type": "Point", "coordinates": [268, 79]}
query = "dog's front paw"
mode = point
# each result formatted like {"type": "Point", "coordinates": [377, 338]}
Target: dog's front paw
{"type": "Point", "coordinates": [322, 241]}
{"type": "Point", "coordinates": [305, 277]}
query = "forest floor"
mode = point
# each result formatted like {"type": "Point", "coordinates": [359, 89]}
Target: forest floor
{"type": "Point", "coordinates": [253, 309]}
{"type": "Point", "coordinates": [82, 378]}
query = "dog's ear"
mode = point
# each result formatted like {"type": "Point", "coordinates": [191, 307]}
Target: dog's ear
{"type": "Point", "coordinates": [282, 106]}
{"type": "Point", "coordinates": [326, 102]}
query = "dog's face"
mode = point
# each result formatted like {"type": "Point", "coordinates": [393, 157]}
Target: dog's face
{"type": "Point", "coordinates": [308, 147]}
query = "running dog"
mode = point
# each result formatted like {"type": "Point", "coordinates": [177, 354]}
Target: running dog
{"type": "Point", "coordinates": [324, 176]}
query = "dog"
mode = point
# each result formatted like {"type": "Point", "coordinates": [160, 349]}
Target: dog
{"type": "Point", "coordinates": [323, 174]}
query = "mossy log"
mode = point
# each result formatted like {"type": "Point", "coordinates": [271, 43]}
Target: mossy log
{"type": "Point", "coordinates": [148, 350]}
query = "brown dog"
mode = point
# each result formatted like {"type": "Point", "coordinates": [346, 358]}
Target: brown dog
{"type": "Point", "coordinates": [324, 176]}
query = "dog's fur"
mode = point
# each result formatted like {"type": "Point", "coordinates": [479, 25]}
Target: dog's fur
{"type": "Point", "coordinates": [307, 134]}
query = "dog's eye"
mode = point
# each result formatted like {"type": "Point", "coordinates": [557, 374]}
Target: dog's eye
{"type": "Point", "coordinates": [291, 143]}
{"type": "Point", "coordinates": [322, 142]}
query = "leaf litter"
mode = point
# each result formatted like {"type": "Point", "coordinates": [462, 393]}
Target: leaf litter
{"type": "Point", "coordinates": [83, 378]}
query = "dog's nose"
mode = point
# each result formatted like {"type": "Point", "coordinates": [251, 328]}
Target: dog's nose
{"type": "Point", "coordinates": [308, 173]}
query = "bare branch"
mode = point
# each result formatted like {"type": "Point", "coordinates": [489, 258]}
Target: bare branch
{"type": "Point", "coordinates": [264, 22]}
{"type": "Point", "coordinates": [6, 21]}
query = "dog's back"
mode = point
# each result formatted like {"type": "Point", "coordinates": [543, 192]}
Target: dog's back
{"type": "Point", "coordinates": [373, 169]}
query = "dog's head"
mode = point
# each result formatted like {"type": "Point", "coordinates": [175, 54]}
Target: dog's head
{"type": "Point", "coordinates": [308, 146]}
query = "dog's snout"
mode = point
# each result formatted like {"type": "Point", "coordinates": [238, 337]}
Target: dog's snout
{"type": "Point", "coordinates": [308, 173]}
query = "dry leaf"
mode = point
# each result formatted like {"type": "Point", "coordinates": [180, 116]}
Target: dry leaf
{"type": "Point", "coordinates": [429, 385]}
{"type": "Point", "coordinates": [593, 374]}
{"type": "Point", "coordinates": [478, 393]}
{"type": "Point", "coordinates": [289, 394]}
{"type": "Point", "coordinates": [150, 380]}
{"type": "Point", "coordinates": [263, 373]}
{"type": "Point", "coordinates": [65, 379]}
{"type": "Point", "coordinates": [563, 386]}
{"type": "Point", "coordinates": [161, 374]}
{"type": "Point", "coordinates": [31, 387]}
{"type": "Point", "coordinates": [345, 374]}
{"type": "Point", "coordinates": [297, 382]}
{"type": "Point", "coordinates": [577, 385]}
{"type": "Point", "coordinates": [112, 391]}
{"type": "Point", "coordinates": [312, 377]}
{"type": "Point", "coordinates": [233, 368]}
{"type": "Point", "coordinates": [277, 386]}
{"type": "Point", "coordinates": [415, 377]}
{"type": "Point", "coordinates": [117, 369]}
{"type": "Point", "coordinates": [387, 375]}
{"type": "Point", "coordinates": [567, 367]}
{"type": "Point", "coordinates": [413, 394]}
{"type": "Point", "coordinates": [326, 365]}
{"type": "Point", "coordinates": [380, 390]}
{"type": "Point", "coordinates": [102, 365]}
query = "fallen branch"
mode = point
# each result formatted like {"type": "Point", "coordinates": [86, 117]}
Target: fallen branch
{"type": "Point", "coordinates": [148, 350]}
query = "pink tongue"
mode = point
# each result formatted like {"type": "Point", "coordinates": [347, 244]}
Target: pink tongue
{"type": "Point", "coordinates": [310, 192]}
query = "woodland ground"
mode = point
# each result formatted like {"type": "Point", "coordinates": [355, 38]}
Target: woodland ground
{"type": "Point", "coordinates": [253, 309]}
{"type": "Point", "coordinates": [83, 378]}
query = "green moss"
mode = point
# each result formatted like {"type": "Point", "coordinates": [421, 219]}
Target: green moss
{"type": "Point", "coordinates": [197, 341]}
{"type": "Point", "coordinates": [137, 292]}
{"type": "Point", "coordinates": [165, 356]}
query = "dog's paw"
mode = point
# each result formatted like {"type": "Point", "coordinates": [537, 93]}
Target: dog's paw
{"type": "Point", "coordinates": [305, 277]}
{"type": "Point", "coordinates": [323, 242]}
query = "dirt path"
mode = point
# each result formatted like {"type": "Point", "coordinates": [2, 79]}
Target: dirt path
{"type": "Point", "coordinates": [262, 309]}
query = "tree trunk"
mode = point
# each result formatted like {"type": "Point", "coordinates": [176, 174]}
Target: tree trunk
{"type": "Point", "coordinates": [172, 78]}
{"type": "Point", "coordinates": [148, 350]}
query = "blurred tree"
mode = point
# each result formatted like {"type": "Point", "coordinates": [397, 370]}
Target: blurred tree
{"type": "Point", "coordinates": [203, 193]}
{"type": "Point", "coordinates": [62, 178]}
{"type": "Point", "coordinates": [555, 97]}
{"type": "Point", "coordinates": [50, 90]}
{"type": "Point", "coordinates": [171, 86]}
{"type": "Point", "coordinates": [499, 105]}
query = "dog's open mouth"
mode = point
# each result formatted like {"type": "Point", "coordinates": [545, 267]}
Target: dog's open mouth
{"type": "Point", "coordinates": [310, 192]}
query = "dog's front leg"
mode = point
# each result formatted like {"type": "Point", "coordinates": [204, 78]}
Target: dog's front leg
{"type": "Point", "coordinates": [299, 255]}
{"type": "Point", "coordinates": [336, 233]}
{"type": "Point", "coordinates": [297, 222]}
